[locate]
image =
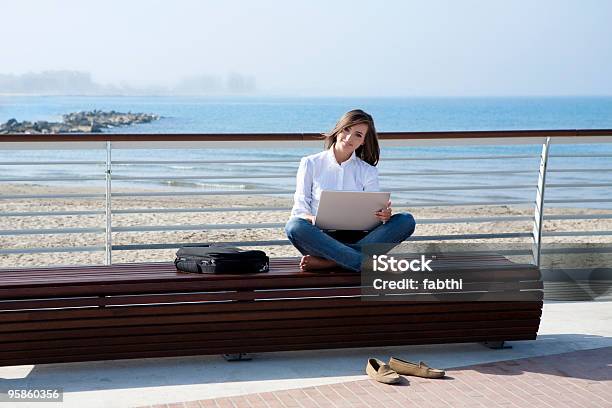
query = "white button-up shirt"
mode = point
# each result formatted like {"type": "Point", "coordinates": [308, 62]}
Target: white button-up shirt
{"type": "Point", "coordinates": [321, 171]}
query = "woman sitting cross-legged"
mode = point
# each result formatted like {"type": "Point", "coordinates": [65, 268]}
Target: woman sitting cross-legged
{"type": "Point", "coordinates": [347, 164]}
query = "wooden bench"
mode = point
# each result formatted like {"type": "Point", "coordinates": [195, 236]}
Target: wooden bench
{"type": "Point", "coordinates": [52, 315]}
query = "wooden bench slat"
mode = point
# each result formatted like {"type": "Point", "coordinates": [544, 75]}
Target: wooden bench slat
{"type": "Point", "coordinates": [170, 272]}
{"type": "Point", "coordinates": [264, 280]}
{"type": "Point", "coordinates": [63, 347]}
{"type": "Point", "coordinates": [243, 307]}
{"type": "Point", "coordinates": [248, 343]}
{"type": "Point", "coordinates": [273, 314]}
{"type": "Point", "coordinates": [161, 270]}
{"type": "Point", "coordinates": [7, 305]}
{"type": "Point", "coordinates": [174, 352]}
{"type": "Point", "coordinates": [466, 319]}
{"type": "Point", "coordinates": [168, 266]}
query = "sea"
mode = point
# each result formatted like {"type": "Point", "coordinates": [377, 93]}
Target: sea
{"type": "Point", "coordinates": [577, 176]}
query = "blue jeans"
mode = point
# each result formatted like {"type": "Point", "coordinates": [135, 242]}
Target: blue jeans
{"type": "Point", "coordinates": [311, 240]}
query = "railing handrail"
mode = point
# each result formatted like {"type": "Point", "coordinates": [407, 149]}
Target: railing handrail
{"type": "Point", "coordinates": [228, 137]}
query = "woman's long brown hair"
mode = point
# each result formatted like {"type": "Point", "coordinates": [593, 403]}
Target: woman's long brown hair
{"type": "Point", "coordinates": [369, 151]}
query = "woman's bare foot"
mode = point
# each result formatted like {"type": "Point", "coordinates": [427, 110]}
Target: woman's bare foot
{"type": "Point", "coordinates": [310, 262]}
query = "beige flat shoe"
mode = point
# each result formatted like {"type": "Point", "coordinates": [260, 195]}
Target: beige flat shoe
{"type": "Point", "coordinates": [381, 372]}
{"type": "Point", "coordinates": [417, 370]}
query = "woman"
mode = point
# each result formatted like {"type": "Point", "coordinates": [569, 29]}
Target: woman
{"type": "Point", "coordinates": [347, 163]}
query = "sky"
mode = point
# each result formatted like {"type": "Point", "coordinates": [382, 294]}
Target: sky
{"type": "Point", "coordinates": [322, 48]}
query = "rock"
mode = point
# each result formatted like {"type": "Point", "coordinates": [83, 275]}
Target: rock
{"type": "Point", "coordinates": [11, 123]}
{"type": "Point", "coordinates": [79, 122]}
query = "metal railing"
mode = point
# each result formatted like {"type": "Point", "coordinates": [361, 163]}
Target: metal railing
{"type": "Point", "coordinates": [108, 171]}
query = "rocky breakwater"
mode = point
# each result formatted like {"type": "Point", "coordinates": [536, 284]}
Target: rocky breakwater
{"type": "Point", "coordinates": [78, 122]}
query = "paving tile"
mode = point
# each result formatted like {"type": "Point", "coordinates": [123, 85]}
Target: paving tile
{"type": "Point", "coordinates": [579, 378]}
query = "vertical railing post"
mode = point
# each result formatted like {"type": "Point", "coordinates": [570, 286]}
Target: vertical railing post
{"type": "Point", "coordinates": [109, 230]}
{"type": "Point", "coordinates": [539, 206]}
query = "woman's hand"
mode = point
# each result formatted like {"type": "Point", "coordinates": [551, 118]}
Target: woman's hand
{"type": "Point", "coordinates": [384, 214]}
{"type": "Point", "coordinates": [309, 217]}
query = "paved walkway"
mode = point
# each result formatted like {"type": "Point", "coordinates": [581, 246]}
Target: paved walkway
{"type": "Point", "coordinates": [576, 379]}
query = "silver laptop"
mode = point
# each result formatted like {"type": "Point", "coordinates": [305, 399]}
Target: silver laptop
{"type": "Point", "coordinates": [350, 210]}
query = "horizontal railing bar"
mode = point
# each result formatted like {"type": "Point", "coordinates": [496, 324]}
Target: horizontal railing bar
{"type": "Point", "coordinates": [282, 192]}
{"type": "Point", "coordinates": [452, 204]}
{"type": "Point", "coordinates": [203, 193]}
{"type": "Point", "coordinates": [292, 175]}
{"type": "Point", "coordinates": [230, 161]}
{"type": "Point", "coordinates": [464, 187]}
{"type": "Point", "coordinates": [453, 173]}
{"type": "Point", "coordinates": [243, 192]}
{"type": "Point", "coordinates": [557, 185]}
{"type": "Point", "coordinates": [579, 155]}
{"type": "Point", "coordinates": [48, 213]}
{"type": "Point", "coordinates": [503, 251]}
{"type": "Point", "coordinates": [575, 233]}
{"type": "Point", "coordinates": [50, 231]}
{"type": "Point", "coordinates": [583, 200]}
{"type": "Point", "coordinates": [398, 189]}
{"type": "Point", "coordinates": [197, 177]}
{"type": "Point", "coordinates": [578, 217]}
{"type": "Point", "coordinates": [196, 227]}
{"type": "Point", "coordinates": [460, 220]}
{"type": "Point", "coordinates": [514, 252]}
{"type": "Point", "coordinates": [451, 237]}
{"type": "Point", "coordinates": [264, 243]}
{"type": "Point", "coordinates": [23, 196]}
{"type": "Point", "coordinates": [297, 160]}
{"type": "Point", "coordinates": [248, 209]}
{"type": "Point", "coordinates": [234, 137]}
{"type": "Point", "coordinates": [280, 225]}
{"type": "Point", "coordinates": [580, 274]}
{"type": "Point", "coordinates": [89, 178]}
{"type": "Point", "coordinates": [495, 157]}
{"type": "Point", "coordinates": [51, 250]}
{"type": "Point", "coordinates": [286, 242]}
{"type": "Point", "coordinates": [197, 210]}
{"type": "Point", "coordinates": [577, 250]}
{"type": "Point", "coordinates": [38, 163]}
{"type": "Point", "coordinates": [129, 247]}
{"type": "Point", "coordinates": [578, 170]}
{"type": "Point", "coordinates": [254, 209]}
{"type": "Point", "coordinates": [262, 161]}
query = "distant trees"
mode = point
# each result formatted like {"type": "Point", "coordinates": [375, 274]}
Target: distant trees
{"type": "Point", "coordinates": [49, 82]}
{"type": "Point", "coordinates": [65, 82]}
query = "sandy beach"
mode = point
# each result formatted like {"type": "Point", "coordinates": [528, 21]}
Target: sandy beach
{"type": "Point", "coordinates": [242, 217]}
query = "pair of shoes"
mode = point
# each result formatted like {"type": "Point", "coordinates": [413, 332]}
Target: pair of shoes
{"type": "Point", "coordinates": [417, 370]}
{"type": "Point", "coordinates": [389, 373]}
{"type": "Point", "coordinates": [381, 372]}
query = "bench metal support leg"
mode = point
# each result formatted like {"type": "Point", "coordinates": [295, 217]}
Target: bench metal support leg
{"type": "Point", "coordinates": [496, 345]}
{"type": "Point", "coordinates": [237, 357]}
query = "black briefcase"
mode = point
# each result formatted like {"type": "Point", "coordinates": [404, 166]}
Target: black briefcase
{"type": "Point", "coordinates": [221, 259]}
